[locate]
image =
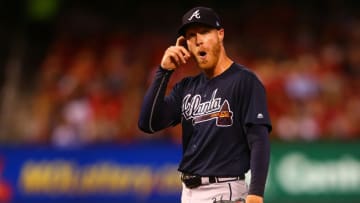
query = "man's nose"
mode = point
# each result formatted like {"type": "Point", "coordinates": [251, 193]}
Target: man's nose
{"type": "Point", "coordinates": [199, 39]}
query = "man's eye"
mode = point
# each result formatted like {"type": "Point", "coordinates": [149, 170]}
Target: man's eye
{"type": "Point", "coordinates": [205, 31]}
{"type": "Point", "coordinates": [190, 35]}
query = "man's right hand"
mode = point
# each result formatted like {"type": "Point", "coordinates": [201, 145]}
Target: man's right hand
{"type": "Point", "coordinates": [175, 56]}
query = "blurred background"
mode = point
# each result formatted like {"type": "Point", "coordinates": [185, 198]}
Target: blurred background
{"type": "Point", "coordinates": [73, 74]}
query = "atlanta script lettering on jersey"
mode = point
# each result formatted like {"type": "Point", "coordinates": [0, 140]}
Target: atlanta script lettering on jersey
{"type": "Point", "coordinates": [204, 111]}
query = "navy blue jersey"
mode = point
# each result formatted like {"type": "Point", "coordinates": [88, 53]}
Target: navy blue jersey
{"type": "Point", "coordinates": [214, 114]}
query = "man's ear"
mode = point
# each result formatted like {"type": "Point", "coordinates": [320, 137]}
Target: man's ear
{"type": "Point", "coordinates": [221, 34]}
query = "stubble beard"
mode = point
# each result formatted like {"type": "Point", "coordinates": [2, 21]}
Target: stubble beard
{"type": "Point", "coordinates": [211, 59]}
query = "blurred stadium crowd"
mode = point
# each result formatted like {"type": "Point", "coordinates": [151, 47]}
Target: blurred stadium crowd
{"type": "Point", "coordinates": [88, 85]}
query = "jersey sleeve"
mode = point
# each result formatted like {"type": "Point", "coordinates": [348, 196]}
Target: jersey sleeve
{"type": "Point", "coordinates": [256, 112]}
{"type": "Point", "coordinates": [159, 111]}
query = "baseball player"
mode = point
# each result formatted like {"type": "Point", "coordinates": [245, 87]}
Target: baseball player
{"type": "Point", "coordinates": [223, 113]}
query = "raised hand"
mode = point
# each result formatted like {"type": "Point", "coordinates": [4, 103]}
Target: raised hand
{"type": "Point", "coordinates": [175, 56]}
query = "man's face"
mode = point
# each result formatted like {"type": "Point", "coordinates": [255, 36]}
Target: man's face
{"type": "Point", "coordinates": [204, 43]}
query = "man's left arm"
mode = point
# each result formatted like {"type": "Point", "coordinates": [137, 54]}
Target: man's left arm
{"type": "Point", "coordinates": [259, 143]}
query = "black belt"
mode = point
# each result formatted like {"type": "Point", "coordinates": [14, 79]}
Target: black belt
{"type": "Point", "coordinates": [193, 181]}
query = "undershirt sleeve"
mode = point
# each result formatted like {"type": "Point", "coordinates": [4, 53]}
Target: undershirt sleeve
{"type": "Point", "coordinates": [159, 111]}
{"type": "Point", "coordinates": [259, 143]}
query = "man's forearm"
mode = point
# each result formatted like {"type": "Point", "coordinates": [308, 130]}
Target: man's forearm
{"type": "Point", "coordinates": [260, 155]}
{"type": "Point", "coordinates": [152, 101]}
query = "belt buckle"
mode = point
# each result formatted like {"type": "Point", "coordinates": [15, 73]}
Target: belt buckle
{"type": "Point", "coordinates": [191, 181]}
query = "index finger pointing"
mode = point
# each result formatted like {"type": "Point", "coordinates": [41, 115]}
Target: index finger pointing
{"type": "Point", "coordinates": [180, 41]}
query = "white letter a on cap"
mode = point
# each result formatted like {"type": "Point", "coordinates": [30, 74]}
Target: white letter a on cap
{"type": "Point", "coordinates": [196, 14]}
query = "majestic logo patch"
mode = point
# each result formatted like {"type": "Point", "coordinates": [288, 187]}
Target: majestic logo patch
{"type": "Point", "coordinates": [260, 116]}
{"type": "Point", "coordinates": [193, 108]}
{"type": "Point", "coordinates": [196, 14]}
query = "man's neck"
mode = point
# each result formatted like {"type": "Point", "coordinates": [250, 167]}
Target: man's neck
{"type": "Point", "coordinates": [221, 67]}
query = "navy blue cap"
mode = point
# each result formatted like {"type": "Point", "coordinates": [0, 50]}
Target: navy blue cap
{"type": "Point", "coordinates": [200, 15]}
